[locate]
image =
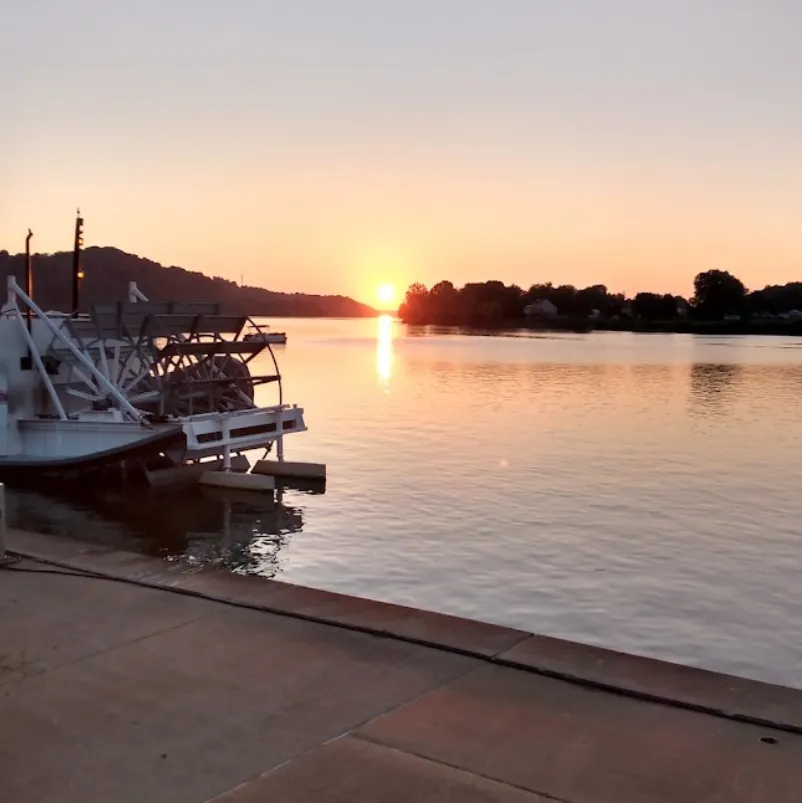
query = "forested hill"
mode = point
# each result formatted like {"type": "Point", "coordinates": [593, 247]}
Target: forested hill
{"type": "Point", "coordinates": [109, 270]}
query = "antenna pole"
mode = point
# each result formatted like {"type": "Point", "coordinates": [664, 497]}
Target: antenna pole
{"type": "Point", "coordinates": [28, 275]}
{"type": "Point", "coordinates": [77, 273]}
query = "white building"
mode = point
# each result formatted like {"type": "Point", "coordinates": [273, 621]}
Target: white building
{"type": "Point", "coordinates": [542, 308]}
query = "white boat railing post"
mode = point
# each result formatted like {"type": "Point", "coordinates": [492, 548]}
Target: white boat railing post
{"type": "Point", "coordinates": [78, 354]}
{"type": "Point", "coordinates": [280, 439]}
{"type": "Point", "coordinates": [226, 445]}
{"type": "Point", "coordinates": [135, 294]}
{"type": "Point", "coordinates": [3, 541]}
{"type": "Point", "coordinates": [40, 366]}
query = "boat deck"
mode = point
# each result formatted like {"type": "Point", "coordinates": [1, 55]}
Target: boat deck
{"type": "Point", "coordinates": [245, 690]}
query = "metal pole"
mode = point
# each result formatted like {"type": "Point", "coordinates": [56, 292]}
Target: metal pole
{"type": "Point", "coordinates": [36, 359]}
{"type": "Point", "coordinates": [280, 439]}
{"type": "Point", "coordinates": [3, 541]}
{"type": "Point", "coordinates": [135, 294]}
{"type": "Point", "coordinates": [76, 263]}
{"type": "Point", "coordinates": [28, 275]}
{"type": "Point", "coordinates": [79, 355]}
{"type": "Point", "coordinates": [226, 445]}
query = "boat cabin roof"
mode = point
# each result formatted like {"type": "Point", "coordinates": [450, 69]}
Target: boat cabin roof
{"type": "Point", "coordinates": [163, 319]}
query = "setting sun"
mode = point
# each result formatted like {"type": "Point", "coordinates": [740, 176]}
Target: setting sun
{"type": "Point", "coordinates": [386, 295]}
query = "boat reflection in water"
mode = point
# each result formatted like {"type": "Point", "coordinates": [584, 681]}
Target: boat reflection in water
{"type": "Point", "coordinates": [198, 526]}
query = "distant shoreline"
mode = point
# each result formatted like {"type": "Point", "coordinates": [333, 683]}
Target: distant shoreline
{"type": "Point", "coordinates": [319, 317]}
{"type": "Point", "coordinates": [769, 328]}
{"type": "Point", "coordinates": [721, 305]}
{"type": "Point", "coordinates": [108, 272]}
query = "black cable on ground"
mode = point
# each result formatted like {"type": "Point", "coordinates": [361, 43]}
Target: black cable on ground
{"type": "Point", "coordinates": [63, 572]}
{"type": "Point", "coordinates": [66, 570]}
{"type": "Point", "coordinates": [25, 570]}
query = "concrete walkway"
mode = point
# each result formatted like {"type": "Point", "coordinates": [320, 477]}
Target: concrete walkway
{"type": "Point", "coordinates": [114, 692]}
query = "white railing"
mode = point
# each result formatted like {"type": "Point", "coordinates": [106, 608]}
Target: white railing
{"type": "Point", "coordinates": [15, 295]}
{"type": "Point", "coordinates": [224, 427]}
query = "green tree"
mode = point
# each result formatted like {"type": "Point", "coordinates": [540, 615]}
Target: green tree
{"type": "Point", "coordinates": [718, 293]}
{"type": "Point", "coordinates": [444, 304]}
{"type": "Point", "coordinates": [415, 306]}
{"type": "Point", "coordinates": [654, 307]}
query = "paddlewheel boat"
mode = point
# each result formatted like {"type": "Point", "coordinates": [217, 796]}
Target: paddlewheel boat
{"type": "Point", "coordinates": [131, 383]}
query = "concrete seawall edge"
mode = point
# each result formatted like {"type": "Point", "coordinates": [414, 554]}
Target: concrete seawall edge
{"type": "Point", "coordinates": [691, 688]}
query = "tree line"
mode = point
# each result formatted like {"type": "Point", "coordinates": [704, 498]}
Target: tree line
{"type": "Point", "coordinates": [718, 296]}
{"type": "Point", "coordinates": [109, 270]}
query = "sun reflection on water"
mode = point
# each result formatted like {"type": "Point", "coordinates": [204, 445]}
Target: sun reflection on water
{"type": "Point", "coordinates": [384, 350]}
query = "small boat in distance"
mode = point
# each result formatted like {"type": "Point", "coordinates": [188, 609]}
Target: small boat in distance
{"type": "Point", "coordinates": [257, 334]}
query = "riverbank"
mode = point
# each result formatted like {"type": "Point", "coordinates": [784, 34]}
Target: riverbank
{"type": "Point", "coordinates": [761, 326]}
{"type": "Point", "coordinates": [142, 681]}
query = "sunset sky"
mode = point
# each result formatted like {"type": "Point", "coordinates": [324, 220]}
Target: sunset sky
{"type": "Point", "coordinates": [340, 145]}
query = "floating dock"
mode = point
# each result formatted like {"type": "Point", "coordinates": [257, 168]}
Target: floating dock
{"type": "Point", "coordinates": [132, 679]}
{"type": "Point", "coordinates": [193, 473]}
{"type": "Point", "coordinates": [291, 469]}
{"type": "Point", "coordinates": [237, 480]}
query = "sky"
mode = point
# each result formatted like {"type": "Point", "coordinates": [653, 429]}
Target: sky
{"type": "Point", "coordinates": [334, 146]}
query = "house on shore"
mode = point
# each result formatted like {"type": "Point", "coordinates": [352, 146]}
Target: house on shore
{"type": "Point", "coordinates": [542, 308]}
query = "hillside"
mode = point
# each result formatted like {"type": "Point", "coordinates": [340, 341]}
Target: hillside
{"type": "Point", "coordinates": [108, 271]}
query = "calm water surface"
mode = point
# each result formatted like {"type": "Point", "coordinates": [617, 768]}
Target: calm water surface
{"type": "Point", "coordinates": [641, 492]}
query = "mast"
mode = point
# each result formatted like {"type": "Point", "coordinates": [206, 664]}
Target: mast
{"type": "Point", "coordinates": [28, 275]}
{"type": "Point", "coordinates": [77, 272]}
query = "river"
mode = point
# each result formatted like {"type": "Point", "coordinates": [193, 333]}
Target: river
{"type": "Point", "coordinates": [640, 492]}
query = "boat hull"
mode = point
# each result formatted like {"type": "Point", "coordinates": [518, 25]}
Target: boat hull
{"type": "Point", "coordinates": [55, 447]}
{"type": "Point", "coordinates": [27, 469]}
